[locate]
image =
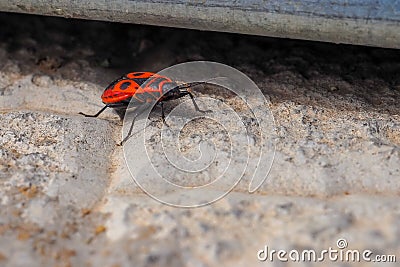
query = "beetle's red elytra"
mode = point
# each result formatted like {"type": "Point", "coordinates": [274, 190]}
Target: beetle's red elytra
{"type": "Point", "coordinates": [128, 91]}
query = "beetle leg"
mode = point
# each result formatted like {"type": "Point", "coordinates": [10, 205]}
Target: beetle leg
{"type": "Point", "coordinates": [162, 113]}
{"type": "Point", "coordinates": [194, 102]}
{"type": "Point", "coordinates": [95, 115]}
{"type": "Point", "coordinates": [129, 135]}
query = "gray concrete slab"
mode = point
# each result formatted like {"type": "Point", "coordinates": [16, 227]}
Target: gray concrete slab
{"type": "Point", "coordinates": [375, 23]}
{"type": "Point", "coordinates": [67, 197]}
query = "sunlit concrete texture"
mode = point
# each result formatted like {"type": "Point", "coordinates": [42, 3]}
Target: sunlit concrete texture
{"type": "Point", "coordinates": [67, 198]}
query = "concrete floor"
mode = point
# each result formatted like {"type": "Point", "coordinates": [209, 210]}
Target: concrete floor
{"type": "Point", "coordinates": [67, 198]}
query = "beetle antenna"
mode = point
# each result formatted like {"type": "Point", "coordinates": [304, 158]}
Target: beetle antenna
{"type": "Point", "coordinates": [189, 85]}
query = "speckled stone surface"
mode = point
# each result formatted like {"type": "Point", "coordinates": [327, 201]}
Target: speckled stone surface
{"type": "Point", "coordinates": [68, 199]}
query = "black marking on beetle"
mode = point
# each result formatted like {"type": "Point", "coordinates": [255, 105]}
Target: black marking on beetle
{"type": "Point", "coordinates": [137, 74]}
{"type": "Point", "coordinates": [125, 85]}
{"type": "Point", "coordinates": [140, 81]}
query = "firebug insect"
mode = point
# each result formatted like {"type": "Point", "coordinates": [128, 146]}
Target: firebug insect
{"type": "Point", "coordinates": [128, 89]}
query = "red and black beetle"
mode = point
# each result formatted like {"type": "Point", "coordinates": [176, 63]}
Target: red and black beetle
{"type": "Point", "coordinates": [128, 91]}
